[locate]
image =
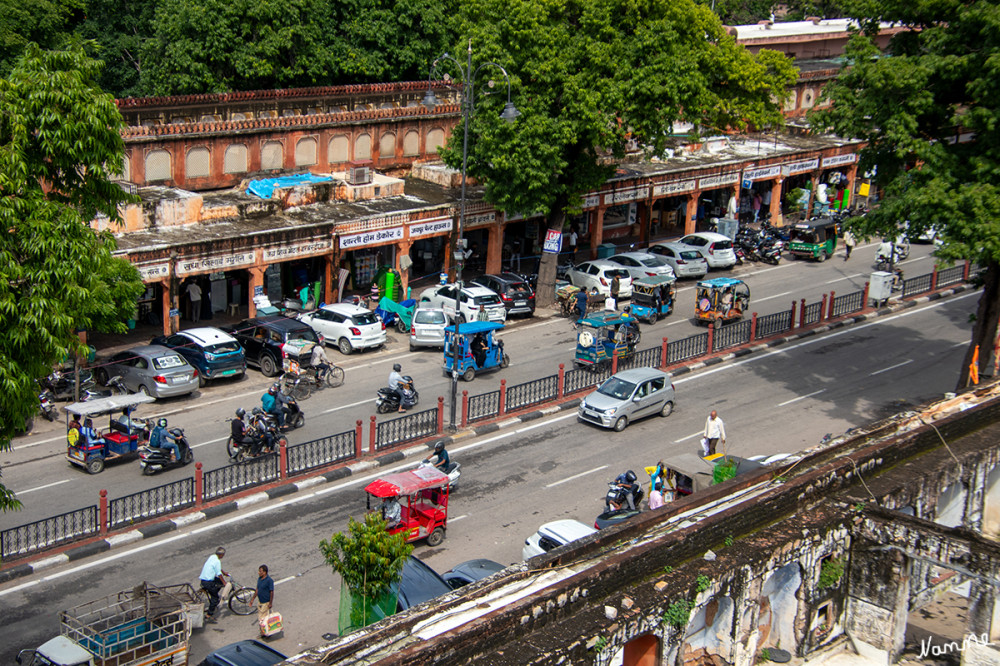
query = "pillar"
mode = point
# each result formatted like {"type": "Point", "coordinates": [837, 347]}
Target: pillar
{"type": "Point", "coordinates": [852, 177]}
{"type": "Point", "coordinates": [776, 203]}
{"type": "Point", "coordinates": [167, 301]}
{"type": "Point", "coordinates": [814, 179]}
{"type": "Point", "coordinates": [596, 231]}
{"type": "Point", "coordinates": [256, 280]}
{"type": "Point", "coordinates": [642, 217]}
{"type": "Point", "coordinates": [734, 196]}
{"type": "Point", "coordinates": [403, 248]}
{"type": "Point", "coordinates": [877, 600]}
{"type": "Point", "coordinates": [494, 248]}
{"type": "Point", "coordinates": [328, 271]}
{"type": "Point", "coordinates": [692, 212]}
{"type": "Point", "coordinates": [984, 611]}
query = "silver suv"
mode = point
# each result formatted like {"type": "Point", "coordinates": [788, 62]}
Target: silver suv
{"type": "Point", "coordinates": [628, 396]}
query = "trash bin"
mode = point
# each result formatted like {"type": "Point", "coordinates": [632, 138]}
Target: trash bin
{"type": "Point", "coordinates": [605, 250]}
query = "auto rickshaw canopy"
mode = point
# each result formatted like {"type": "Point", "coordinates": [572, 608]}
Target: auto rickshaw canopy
{"type": "Point", "coordinates": [647, 284]}
{"type": "Point", "coordinates": [814, 231]}
{"type": "Point", "coordinates": [115, 403]}
{"type": "Point", "coordinates": [406, 483]}
{"type": "Point", "coordinates": [473, 327]}
{"type": "Point", "coordinates": [602, 319]}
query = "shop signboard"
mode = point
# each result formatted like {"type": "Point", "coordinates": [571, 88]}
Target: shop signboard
{"type": "Point", "coordinates": [710, 182]}
{"type": "Point", "coordinates": [591, 201]}
{"type": "Point", "coordinates": [624, 196]}
{"type": "Point", "coordinates": [376, 237]}
{"type": "Point", "coordinates": [153, 272]}
{"type": "Point", "coordinates": [762, 173]}
{"type": "Point", "coordinates": [553, 241]}
{"type": "Point", "coordinates": [281, 252]}
{"type": "Point", "coordinates": [174, 312]}
{"type": "Point", "coordinates": [431, 227]}
{"type": "Point", "coordinates": [837, 160]}
{"type": "Point", "coordinates": [212, 264]}
{"type": "Point", "coordinates": [676, 187]}
{"type": "Point", "coordinates": [800, 167]}
{"type": "Point", "coordinates": [478, 220]}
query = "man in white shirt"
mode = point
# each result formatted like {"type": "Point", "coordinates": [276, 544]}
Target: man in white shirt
{"type": "Point", "coordinates": [194, 294]}
{"type": "Point", "coordinates": [715, 431]}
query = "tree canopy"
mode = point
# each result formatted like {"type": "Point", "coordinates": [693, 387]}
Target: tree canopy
{"type": "Point", "coordinates": [588, 75]}
{"type": "Point", "coordinates": [930, 115]}
{"type": "Point", "coordinates": [60, 148]}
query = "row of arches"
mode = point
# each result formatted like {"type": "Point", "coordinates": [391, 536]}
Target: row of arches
{"type": "Point", "coordinates": [159, 166]}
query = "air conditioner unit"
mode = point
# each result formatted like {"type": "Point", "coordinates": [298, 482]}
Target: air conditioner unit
{"type": "Point", "coordinates": [359, 176]}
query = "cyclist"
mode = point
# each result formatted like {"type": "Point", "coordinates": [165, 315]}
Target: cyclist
{"type": "Point", "coordinates": [319, 360]}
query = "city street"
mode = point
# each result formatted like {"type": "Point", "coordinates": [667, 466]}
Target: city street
{"type": "Point", "coordinates": [783, 400]}
{"type": "Point", "coordinates": [48, 485]}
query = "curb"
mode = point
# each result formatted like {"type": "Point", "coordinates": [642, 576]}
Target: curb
{"type": "Point", "coordinates": [152, 530]}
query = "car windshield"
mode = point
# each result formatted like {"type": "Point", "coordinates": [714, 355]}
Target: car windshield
{"type": "Point", "coordinates": [653, 262]}
{"type": "Point", "coordinates": [429, 317]}
{"type": "Point", "coordinates": [489, 299]}
{"type": "Point", "coordinates": [365, 318]}
{"type": "Point", "coordinates": [617, 388]}
{"type": "Point", "coordinates": [302, 334]}
{"type": "Point", "coordinates": [620, 273]}
{"type": "Point", "coordinates": [168, 362]}
{"type": "Point", "coordinates": [723, 245]}
{"type": "Point", "coordinates": [690, 255]}
{"type": "Point", "coordinates": [223, 348]}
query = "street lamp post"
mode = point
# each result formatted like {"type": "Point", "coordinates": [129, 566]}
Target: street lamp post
{"type": "Point", "coordinates": [509, 114]}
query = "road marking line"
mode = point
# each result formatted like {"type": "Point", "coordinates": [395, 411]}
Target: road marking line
{"type": "Point", "coordinates": [767, 298]}
{"type": "Point", "coordinates": [576, 476]}
{"type": "Point", "coordinates": [211, 441]}
{"type": "Point", "coordinates": [285, 580]}
{"type": "Point", "coordinates": [458, 518]}
{"type": "Point", "coordinates": [801, 397]}
{"type": "Point", "coordinates": [891, 367]}
{"type": "Point", "coordinates": [47, 485]}
{"type": "Point", "coordinates": [353, 404]}
{"type": "Point", "coordinates": [684, 439]}
{"type": "Point", "coordinates": [846, 277]}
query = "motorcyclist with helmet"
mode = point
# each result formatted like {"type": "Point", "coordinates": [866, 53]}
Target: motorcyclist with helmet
{"type": "Point", "coordinates": [273, 403]}
{"type": "Point", "coordinates": [395, 383]}
{"type": "Point", "coordinates": [239, 432]}
{"type": "Point", "coordinates": [160, 438]}
{"type": "Point", "coordinates": [441, 458]}
{"type": "Point", "coordinates": [628, 491]}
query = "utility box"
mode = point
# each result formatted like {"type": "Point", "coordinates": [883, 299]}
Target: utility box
{"type": "Point", "coordinates": [605, 250]}
{"type": "Point", "coordinates": [880, 286]}
{"type": "Point", "coordinates": [727, 227]}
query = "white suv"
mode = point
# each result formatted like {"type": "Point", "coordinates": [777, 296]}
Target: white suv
{"type": "Point", "coordinates": [350, 326]}
{"type": "Point", "coordinates": [598, 274]}
{"type": "Point", "coordinates": [472, 299]}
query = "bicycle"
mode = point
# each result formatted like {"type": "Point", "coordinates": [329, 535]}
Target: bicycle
{"type": "Point", "coordinates": [240, 599]}
{"type": "Point", "coordinates": [300, 385]}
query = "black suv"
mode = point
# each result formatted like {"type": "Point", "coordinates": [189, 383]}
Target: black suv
{"type": "Point", "coordinates": [264, 339]}
{"type": "Point", "coordinates": [516, 294]}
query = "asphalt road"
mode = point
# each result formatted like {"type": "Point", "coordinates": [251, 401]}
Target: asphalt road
{"type": "Point", "coordinates": [783, 400]}
{"type": "Point", "coordinates": [37, 471]}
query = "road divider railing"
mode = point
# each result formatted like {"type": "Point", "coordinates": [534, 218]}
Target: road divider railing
{"type": "Point", "coordinates": [319, 455]}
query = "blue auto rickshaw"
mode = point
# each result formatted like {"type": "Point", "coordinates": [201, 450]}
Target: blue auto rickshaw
{"type": "Point", "coordinates": [602, 335]}
{"type": "Point", "coordinates": [478, 348]}
{"type": "Point", "coordinates": [653, 297]}
{"type": "Point", "coordinates": [120, 441]}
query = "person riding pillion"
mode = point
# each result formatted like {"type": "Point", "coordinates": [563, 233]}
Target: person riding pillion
{"type": "Point", "coordinates": [161, 438]}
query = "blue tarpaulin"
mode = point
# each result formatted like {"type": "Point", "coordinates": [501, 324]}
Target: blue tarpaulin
{"type": "Point", "coordinates": [264, 187]}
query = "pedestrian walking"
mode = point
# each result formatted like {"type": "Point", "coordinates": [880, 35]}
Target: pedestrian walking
{"type": "Point", "coordinates": [212, 581]}
{"type": "Point", "coordinates": [194, 294]}
{"type": "Point", "coordinates": [580, 298]}
{"type": "Point", "coordinates": [265, 597]}
{"type": "Point", "coordinates": [849, 242]}
{"type": "Point", "coordinates": [572, 239]}
{"type": "Point", "coordinates": [715, 432]}
{"type": "Point", "coordinates": [615, 288]}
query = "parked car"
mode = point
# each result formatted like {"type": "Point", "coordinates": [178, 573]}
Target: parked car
{"type": "Point", "coordinates": [347, 325]}
{"type": "Point", "coordinates": [472, 299]}
{"type": "Point", "coordinates": [470, 571]}
{"type": "Point", "coordinates": [213, 352]}
{"type": "Point", "coordinates": [552, 535]}
{"type": "Point", "coordinates": [419, 583]}
{"type": "Point", "coordinates": [244, 653]}
{"type": "Point", "coordinates": [627, 396]}
{"type": "Point", "coordinates": [642, 264]}
{"type": "Point", "coordinates": [264, 340]}
{"type": "Point", "coordinates": [151, 369]}
{"type": "Point", "coordinates": [685, 261]}
{"type": "Point", "coordinates": [515, 293]}
{"type": "Point", "coordinates": [716, 248]}
{"type": "Point", "coordinates": [427, 329]}
{"type": "Point", "coordinates": [598, 273]}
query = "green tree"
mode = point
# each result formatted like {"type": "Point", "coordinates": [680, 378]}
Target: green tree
{"type": "Point", "coordinates": [120, 27]}
{"type": "Point", "coordinates": [369, 560]}
{"type": "Point", "coordinates": [46, 22]}
{"type": "Point", "coordinates": [931, 118]}
{"type": "Point", "coordinates": [60, 147]}
{"type": "Point", "coordinates": [740, 12]}
{"type": "Point", "coordinates": [588, 75]}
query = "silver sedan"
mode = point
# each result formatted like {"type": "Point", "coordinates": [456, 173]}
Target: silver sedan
{"type": "Point", "coordinates": [152, 370]}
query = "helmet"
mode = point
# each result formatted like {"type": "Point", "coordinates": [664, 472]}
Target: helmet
{"type": "Point", "coordinates": [439, 447]}
{"type": "Point", "coordinates": [162, 422]}
{"type": "Point", "coordinates": [273, 390]}
{"type": "Point", "coordinates": [397, 367]}
{"type": "Point", "coordinates": [240, 413]}
{"type": "Point", "coordinates": [257, 411]}
{"type": "Point", "coordinates": [630, 476]}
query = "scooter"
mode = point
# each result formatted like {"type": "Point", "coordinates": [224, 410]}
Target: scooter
{"type": "Point", "coordinates": [63, 384]}
{"type": "Point", "coordinates": [454, 473]}
{"type": "Point", "coordinates": [153, 460]}
{"type": "Point", "coordinates": [115, 387]}
{"type": "Point", "coordinates": [387, 400]}
{"type": "Point", "coordinates": [617, 496]}
{"type": "Point", "coordinates": [47, 405]}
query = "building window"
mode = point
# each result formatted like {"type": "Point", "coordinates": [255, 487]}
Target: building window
{"type": "Point", "coordinates": [339, 150]}
{"type": "Point", "coordinates": [272, 156]}
{"type": "Point", "coordinates": [411, 144]}
{"type": "Point", "coordinates": [198, 164]}
{"type": "Point", "coordinates": [808, 98]}
{"type": "Point", "coordinates": [363, 148]}
{"type": "Point", "coordinates": [387, 146]}
{"type": "Point", "coordinates": [157, 165]}
{"type": "Point", "coordinates": [305, 152]}
{"type": "Point", "coordinates": [435, 139]}
{"type": "Point", "coordinates": [238, 116]}
{"type": "Point", "coordinates": [126, 173]}
{"type": "Point", "coordinates": [235, 159]}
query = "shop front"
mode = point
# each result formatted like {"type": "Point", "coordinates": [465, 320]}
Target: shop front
{"type": "Point", "coordinates": [718, 197]}
{"type": "Point", "coordinates": [672, 214]}
{"type": "Point", "coordinates": [838, 173]}
{"type": "Point", "coordinates": [366, 255]}
{"type": "Point", "coordinates": [760, 187]}
{"type": "Point", "coordinates": [428, 247]}
{"type": "Point", "coordinates": [797, 188]}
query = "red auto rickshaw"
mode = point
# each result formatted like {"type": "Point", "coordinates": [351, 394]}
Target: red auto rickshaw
{"type": "Point", "coordinates": [423, 498]}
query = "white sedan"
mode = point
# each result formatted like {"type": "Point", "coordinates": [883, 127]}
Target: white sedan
{"type": "Point", "coordinates": [642, 264]}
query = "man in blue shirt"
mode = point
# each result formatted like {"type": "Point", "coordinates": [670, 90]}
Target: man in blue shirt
{"type": "Point", "coordinates": [212, 581]}
{"type": "Point", "coordinates": [272, 404]}
{"type": "Point", "coordinates": [265, 597]}
{"type": "Point", "coordinates": [161, 438]}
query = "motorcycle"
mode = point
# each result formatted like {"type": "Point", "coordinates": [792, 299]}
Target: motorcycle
{"type": "Point", "coordinates": [454, 472]}
{"type": "Point", "coordinates": [617, 496]}
{"type": "Point", "coordinates": [47, 405]}
{"type": "Point", "coordinates": [63, 384]}
{"type": "Point", "coordinates": [261, 427]}
{"type": "Point", "coordinates": [387, 400]}
{"type": "Point", "coordinates": [115, 387]}
{"type": "Point", "coordinates": [294, 416]}
{"type": "Point", "coordinates": [773, 231]}
{"type": "Point", "coordinates": [153, 460]}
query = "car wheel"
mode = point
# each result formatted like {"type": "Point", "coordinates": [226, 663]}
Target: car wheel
{"type": "Point", "coordinates": [268, 366]}
{"type": "Point", "coordinates": [667, 409]}
{"type": "Point", "coordinates": [462, 319]}
{"type": "Point", "coordinates": [651, 319]}
{"type": "Point", "coordinates": [143, 390]}
{"type": "Point", "coordinates": [344, 345]}
{"type": "Point", "coordinates": [101, 376]}
{"type": "Point", "coordinates": [469, 374]}
{"type": "Point", "coordinates": [822, 256]}
{"type": "Point", "coordinates": [95, 465]}
{"type": "Point", "coordinates": [401, 326]}
{"type": "Point", "coordinates": [436, 537]}
{"type": "Point", "coordinates": [202, 382]}
{"type": "Point", "coordinates": [621, 423]}
{"type": "Point", "coordinates": [412, 348]}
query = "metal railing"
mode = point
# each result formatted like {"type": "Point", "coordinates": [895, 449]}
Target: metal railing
{"type": "Point", "coordinates": [151, 503]}
{"type": "Point", "coordinates": [812, 313]}
{"type": "Point", "coordinates": [579, 379]}
{"type": "Point", "coordinates": [406, 428]}
{"type": "Point", "coordinates": [689, 347]}
{"type": "Point", "coordinates": [233, 478]}
{"type": "Point", "coordinates": [533, 392]}
{"type": "Point", "coordinates": [917, 285]}
{"type": "Point", "coordinates": [844, 304]}
{"type": "Point", "coordinates": [644, 358]}
{"type": "Point", "coordinates": [483, 406]}
{"type": "Point", "coordinates": [949, 276]}
{"type": "Point", "coordinates": [42, 534]}
{"type": "Point", "coordinates": [773, 324]}
{"type": "Point", "coordinates": [319, 452]}
{"type": "Point", "coordinates": [731, 335]}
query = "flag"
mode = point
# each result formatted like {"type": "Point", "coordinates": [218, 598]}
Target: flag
{"type": "Point", "coordinates": [974, 366]}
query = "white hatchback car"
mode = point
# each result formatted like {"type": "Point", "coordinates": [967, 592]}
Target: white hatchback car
{"type": "Point", "coordinates": [685, 261]}
{"type": "Point", "coordinates": [427, 328]}
{"type": "Point", "coordinates": [598, 273]}
{"type": "Point", "coordinates": [350, 326]}
{"type": "Point", "coordinates": [554, 534]}
{"type": "Point", "coordinates": [472, 300]}
{"type": "Point", "coordinates": [716, 248]}
{"type": "Point", "coordinates": [642, 264]}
